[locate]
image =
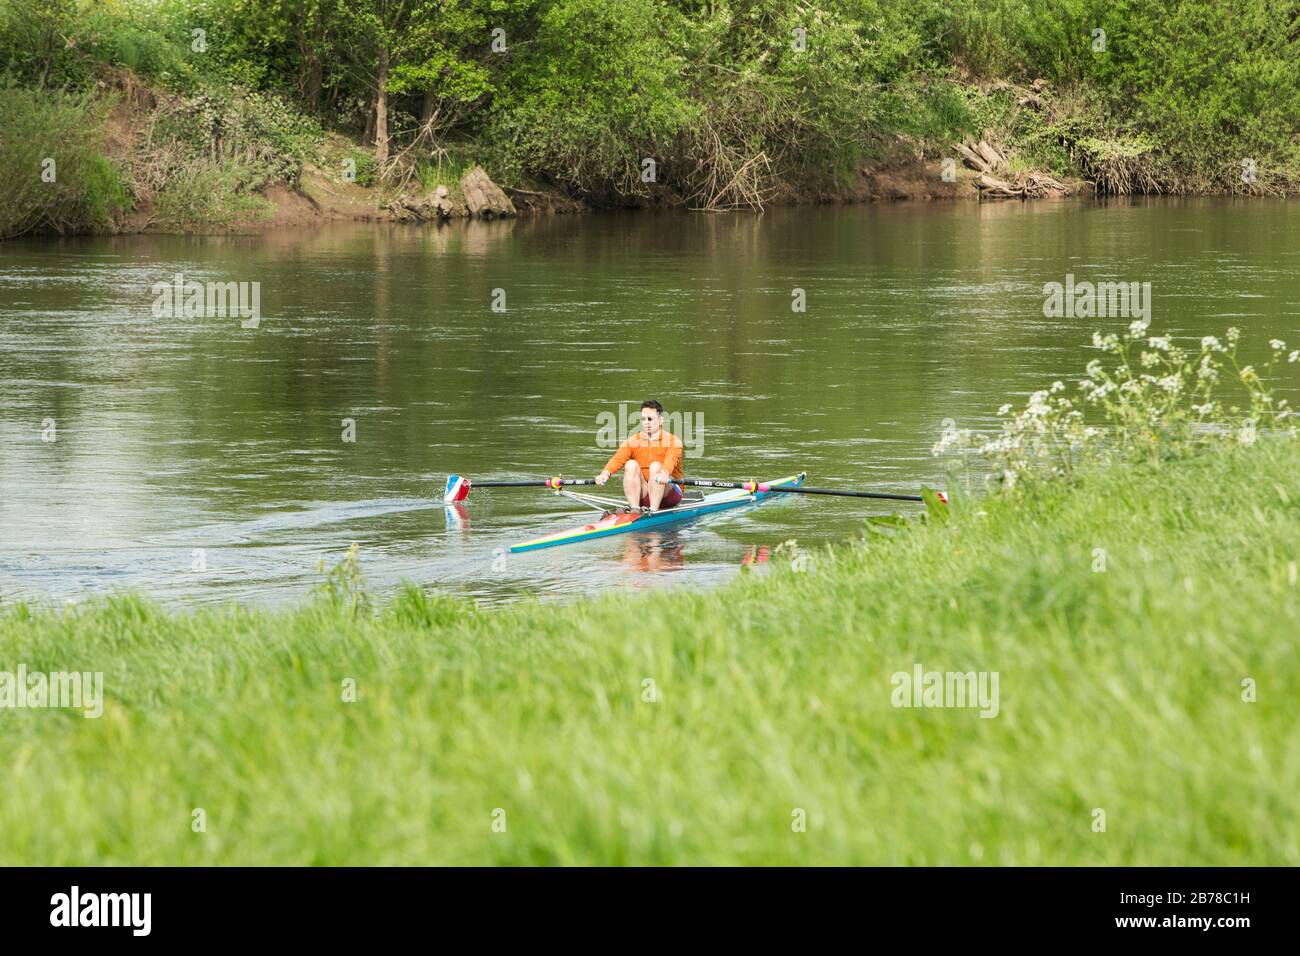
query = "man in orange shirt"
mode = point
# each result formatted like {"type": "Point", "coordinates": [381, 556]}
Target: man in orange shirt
{"type": "Point", "coordinates": [651, 460]}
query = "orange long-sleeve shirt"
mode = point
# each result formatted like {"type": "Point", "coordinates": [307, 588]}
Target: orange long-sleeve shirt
{"type": "Point", "coordinates": [665, 449]}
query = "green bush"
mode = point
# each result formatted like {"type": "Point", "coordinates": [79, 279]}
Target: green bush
{"type": "Point", "coordinates": [597, 90]}
{"type": "Point", "coordinates": [207, 194]}
{"type": "Point", "coordinates": [56, 135]}
{"type": "Point", "coordinates": [63, 43]}
{"type": "Point", "coordinates": [1202, 86]}
{"type": "Point", "coordinates": [364, 160]}
{"type": "Point", "coordinates": [257, 130]}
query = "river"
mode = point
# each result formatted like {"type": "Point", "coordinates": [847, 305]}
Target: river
{"type": "Point", "coordinates": [198, 460]}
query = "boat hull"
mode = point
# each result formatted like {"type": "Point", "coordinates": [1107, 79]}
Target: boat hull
{"type": "Point", "coordinates": [625, 523]}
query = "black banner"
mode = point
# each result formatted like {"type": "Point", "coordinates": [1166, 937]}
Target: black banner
{"type": "Point", "coordinates": [336, 906]}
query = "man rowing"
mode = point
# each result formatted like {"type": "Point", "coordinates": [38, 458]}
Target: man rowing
{"type": "Point", "coordinates": [651, 460]}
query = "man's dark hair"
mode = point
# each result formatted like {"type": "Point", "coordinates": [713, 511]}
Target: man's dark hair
{"type": "Point", "coordinates": [653, 404]}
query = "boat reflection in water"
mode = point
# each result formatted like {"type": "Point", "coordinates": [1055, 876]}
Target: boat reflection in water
{"type": "Point", "coordinates": [652, 552]}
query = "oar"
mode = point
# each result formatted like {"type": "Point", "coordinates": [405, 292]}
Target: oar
{"type": "Point", "coordinates": [762, 486]}
{"type": "Point", "coordinates": [534, 483]}
{"type": "Point", "coordinates": [458, 485]}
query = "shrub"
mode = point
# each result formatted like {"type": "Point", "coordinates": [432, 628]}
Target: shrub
{"type": "Point", "coordinates": [1155, 400]}
{"type": "Point", "coordinates": [365, 166]}
{"type": "Point", "coordinates": [204, 193]}
{"type": "Point", "coordinates": [62, 133]}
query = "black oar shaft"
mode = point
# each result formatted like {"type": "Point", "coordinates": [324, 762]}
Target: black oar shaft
{"type": "Point", "coordinates": [745, 485]}
{"type": "Point", "coordinates": [532, 484]}
{"type": "Point", "coordinates": [848, 494]}
{"type": "Point", "coordinates": [706, 483]}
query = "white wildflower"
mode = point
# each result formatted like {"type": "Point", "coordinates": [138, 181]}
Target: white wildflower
{"type": "Point", "coordinates": [1138, 328]}
{"type": "Point", "coordinates": [1211, 342]}
{"type": "Point", "coordinates": [1277, 345]}
{"type": "Point", "coordinates": [1159, 342]}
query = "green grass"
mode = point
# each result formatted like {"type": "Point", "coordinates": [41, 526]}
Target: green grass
{"type": "Point", "coordinates": [1120, 690]}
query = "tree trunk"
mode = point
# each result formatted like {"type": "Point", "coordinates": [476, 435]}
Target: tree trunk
{"type": "Point", "coordinates": [312, 82]}
{"type": "Point", "coordinates": [484, 198]}
{"type": "Point", "coordinates": [381, 109]}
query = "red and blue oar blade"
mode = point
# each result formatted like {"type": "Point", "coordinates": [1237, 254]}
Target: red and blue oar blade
{"type": "Point", "coordinates": [457, 489]}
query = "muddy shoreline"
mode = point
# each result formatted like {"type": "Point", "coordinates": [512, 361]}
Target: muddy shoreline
{"type": "Point", "coordinates": [322, 199]}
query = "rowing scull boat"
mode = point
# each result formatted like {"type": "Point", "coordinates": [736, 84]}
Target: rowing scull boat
{"type": "Point", "coordinates": [620, 521]}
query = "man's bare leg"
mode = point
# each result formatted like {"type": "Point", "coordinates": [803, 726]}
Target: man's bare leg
{"type": "Point", "coordinates": [656, 490]}
{"type": "Point", "coordinates": [632, 484]}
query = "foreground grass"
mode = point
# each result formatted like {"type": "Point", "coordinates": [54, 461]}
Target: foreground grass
{"type": "Point", "coordinates": [1120, 690]}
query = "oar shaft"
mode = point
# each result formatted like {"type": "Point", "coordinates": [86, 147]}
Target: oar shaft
{"type": "Point", "coordinates": [746, 486]}
{"type": "Point", "coordinates": [533, 484]}
{"type": "Point", "coordinates": [707, 483]}
{"type": "Point", "coordinates": [847, 494]}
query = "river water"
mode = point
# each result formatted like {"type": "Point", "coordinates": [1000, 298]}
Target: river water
{"type": "Point", "coordinates": [199, 460]}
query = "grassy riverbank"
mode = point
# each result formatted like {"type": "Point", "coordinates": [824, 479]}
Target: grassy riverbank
{"type": "Point", "coordinates": [222, 114]}
{"type": "Point", "coordinates": [1120, 689]}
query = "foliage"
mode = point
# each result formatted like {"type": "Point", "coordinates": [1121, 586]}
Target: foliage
{"type": "Point", "coordinates": [260, 131]}
{"type": "Point", "coordinates": [597, 90]}
{"type": "Point", "coordinates": [55, 135]}
{"type": "Point", "coordinates": [62, 43]}
{"type": "Point", "coordinates": [1156, 400]}
{"type": "Point", "coordinates": [364, 164]}
{"type": "Point", "coordinates": [737, 102]}
{"type": "Point", "coordinates": [1173, 98]}
{"type": "Point", "coordinates": [445, 61]}
{"type": "Point", "coordinates": [344, 587]}
{"type": "Point", "coordinates": [203, 193]}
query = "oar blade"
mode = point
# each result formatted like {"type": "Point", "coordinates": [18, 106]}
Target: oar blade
{"type": "Point", "coordinates": [457, 489]}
